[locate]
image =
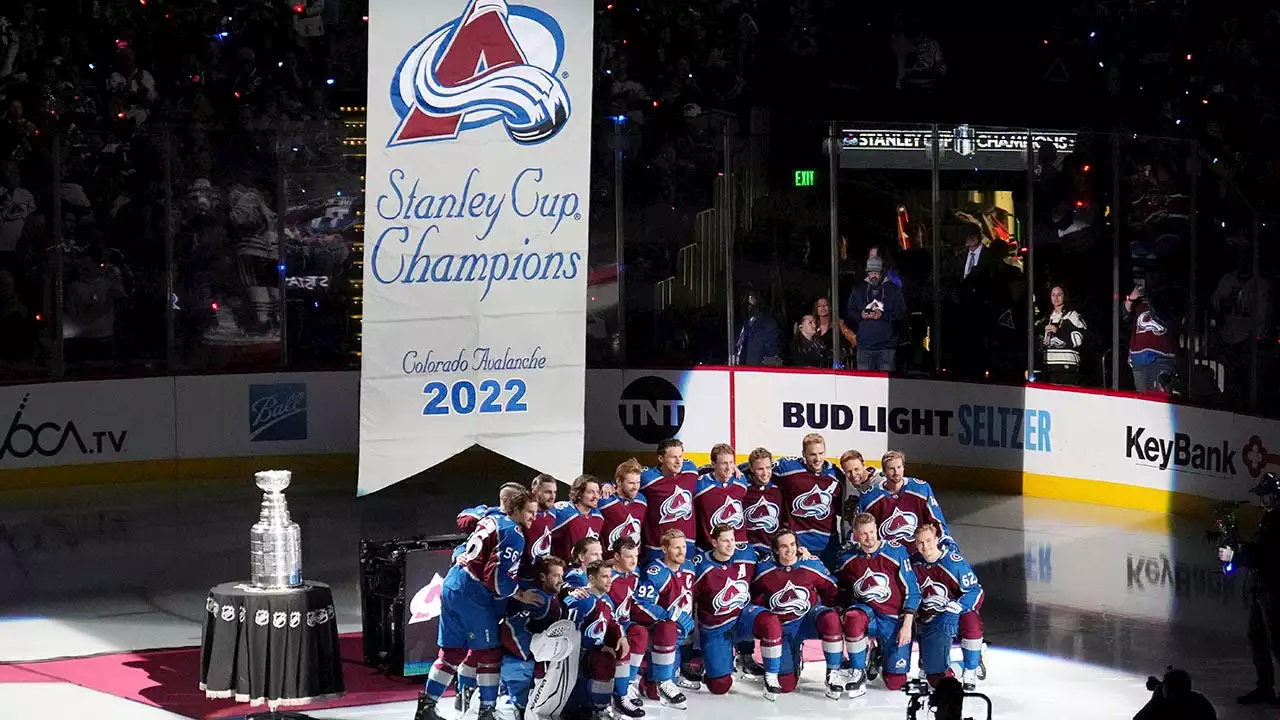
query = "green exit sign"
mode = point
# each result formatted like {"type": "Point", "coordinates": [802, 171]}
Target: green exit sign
{"type": "Point", "coordinates": [805, 178]}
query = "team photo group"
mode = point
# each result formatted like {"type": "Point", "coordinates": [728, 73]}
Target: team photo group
{"type": "Point", "coordinates": [667, 580]}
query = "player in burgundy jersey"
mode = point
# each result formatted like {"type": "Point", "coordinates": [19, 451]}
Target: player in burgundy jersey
{"type": "Point", "coordinates": [717, 498]}
{"type": "Point", "coordinates": [473, 602]}
{"type": "Point", "coordinates": [900, 504]}
{"type": "Point", "coordinates": [812, 492]}
{"type": "Point", "coordinates": [624, 512]}
{"type": "Point", "coordinates": [626, 554]}
{"type": "Point", "coordinates": [607, 652]}
{"type": "Point", "coordinates": [578, 518]}
{"type": "Point", "coordinates": [537, 540]}
{"type": "Point", "coordinates": [668, 489]}
{"type": "Point", "coordinates": [762, 505]}
{"type": "Point", "coordinates": [801, 594]}
{"type": "Point", "coordinates": [726, 616]}
{"type": "Point", "coordinates": [882, 597]}
{"type": "Point", "coordinates": [664, 603]}
{"type": "Point", "coordinates": [950, 598]}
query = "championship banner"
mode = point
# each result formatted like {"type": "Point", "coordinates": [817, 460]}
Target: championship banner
{"type": "Point", "coordinates": [475, 258]}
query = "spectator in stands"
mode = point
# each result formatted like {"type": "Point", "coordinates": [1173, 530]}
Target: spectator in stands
{"type": "Point", "coordinates": [1061, 333]}
{"type": "Point", "coordinates": [876, 311]}
{"type": "Point", "coordinates": [1241, 304]}
{"type": "Point", "coordinates": [806, 349]}
{"type": "Point", "coordinates": [760, 338]}
{"type": "Point", "coordinates": [974, 278]}
{"type": "Point", "coordinates": [1153, 344]}
{"type": "Point", "coordinates": [823, 322]}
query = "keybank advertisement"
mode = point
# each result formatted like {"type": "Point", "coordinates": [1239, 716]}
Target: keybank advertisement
{"type": "Point", "coordinates": [475, 234]}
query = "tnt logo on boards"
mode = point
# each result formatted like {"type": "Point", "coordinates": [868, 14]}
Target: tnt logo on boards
{"type": "Point", "coordinates": [278, 412]}
{"type": "Point", "coordinates": [651, 409]}
{"type": "Point", "coordinates": [495, 62]}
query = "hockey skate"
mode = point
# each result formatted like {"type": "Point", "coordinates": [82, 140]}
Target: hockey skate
{"type": "Point", "coordinates": [772, 687]}
{"type": "Point", "coordinates": [836, 680]}
{"type": "Point", "coordinates": [969, 680]}
{"type": "Point", "coordinates": [622, 708]}
{"type": "Point", "coordinates": [668, 694]}
{"type": "Point", "coordinates": [747, 666]}
{"type": "Point", "coordinates": [633, 696]}
{"type": "Point", "coordinates": [462, 700]}
{"type": "Point", "coordinates": [874, 661]}
{"type": "Point", "coordinates": [487, 712]}
{"type": "Point", "coordinates": [982, 663]}
{"type": "Point", "coordinates": [856, 683]}
{"type": "Point", "coordinates": [685, 683]}
{"type": "Point", "coordinates": [426, 708]}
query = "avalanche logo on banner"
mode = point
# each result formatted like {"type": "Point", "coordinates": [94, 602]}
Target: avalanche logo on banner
{"type": "Point", "coordinates": [476, 234]}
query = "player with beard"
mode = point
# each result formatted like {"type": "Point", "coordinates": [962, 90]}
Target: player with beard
{"type": "Point", "coordinates": [717, 499]}
{"type": "Point", "coordinates": [901, 504]}
{"type": "Point", "coordinates": [669, 488]}
{"type": "Point", "coordinates": [624, 512]}
{"type": "Point", "coordinates": [522, 622]}
{"type": "Point", "coordinates": [578, 518]}
{"type": "Point", "coordinates": [801, 594]}
{"type": "Point", "coordinates": [606, 651]}
{"type": "Point", "coordinates": [664, 603]}
{"type": "Point", "coordinates": [626, 554]}
{"type": "Point", "coordinates": [538, 538]}
{"type": "Point", "coordinates": [722, 596]}
{"type": "Point", "coordinates": [473, 602]}
{"type": "Point", "coordinates": [882, 597]}
{"type": "Point", "coordinates": [812, 496]}
{"type": "Point", "coordinates": [950, 598]}
{"type": "Point", "coordinates": [585, 551]}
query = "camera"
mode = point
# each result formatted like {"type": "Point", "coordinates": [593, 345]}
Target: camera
{"type": "Point", "coordinates": [947, 700]}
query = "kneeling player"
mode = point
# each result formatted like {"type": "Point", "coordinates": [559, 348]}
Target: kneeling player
{"type": "Point", "coordinates": [722, 595]}
{"type": "Point", "coordinates": [472, 603]}
{"type": "Point", "coordinates": [950, 598]}
{"type": "Point", "coordinates": [626, 553]}
{"type": "Point", "coordinates": [522, 622]}
{"type": "Point", "coordinates": [800, 593]}
{"type": "Point", "coordinates": [664, 604]}
{"type": "Point", "coordinates": [585, 551]}
{"type": "Point", "coordinates": [606, 652]}
{"type": "Point", "coordinates": [877, 579]}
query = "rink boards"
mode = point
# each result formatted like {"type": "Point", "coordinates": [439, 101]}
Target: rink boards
{"type": "Point", "coordinates": [1092, 446]}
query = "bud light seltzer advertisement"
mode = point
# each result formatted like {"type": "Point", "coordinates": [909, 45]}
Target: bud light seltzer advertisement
{"type": "Point", "coordinates": [475, 256]}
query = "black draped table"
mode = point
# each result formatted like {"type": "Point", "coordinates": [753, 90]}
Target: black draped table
{"type": "Point", "coordinates": [272, 647]}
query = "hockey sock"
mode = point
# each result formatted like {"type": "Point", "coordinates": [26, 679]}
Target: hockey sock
{"type": "Point", "coordinates": [664, 655]}
{"type": "Point", "coordinates": [466, 677]}
{"type": "Point", "coordinates": [769, 631]}
{"type": "Point", "coordinates": [442, 672]}
{"type": "Point", "coordinates": [600, 678]}
{"type": "Point", "coordinates": [855, 638]}
{"type": "Point", "coordinates": [832, 639]}
{"type": "Point", "coordinates": [488, 664]}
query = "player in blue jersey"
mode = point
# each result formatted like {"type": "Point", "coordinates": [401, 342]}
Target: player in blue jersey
{"type": "Point", "coordinates": [900, 504]}
{"type": "Point", "coordinates": [950, 598]}
{"type": "Point", "coordinates": [522, 622]}
{"type": "Point", "coordinates": [473, 602]}
{"type": "Point", "coordinates": [606, 660]}
{"type": "Point", "coordinates": [585, 551]}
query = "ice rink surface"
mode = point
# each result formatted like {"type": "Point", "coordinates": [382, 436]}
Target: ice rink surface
{"type": "Point", "coordinates": [1083, 601]}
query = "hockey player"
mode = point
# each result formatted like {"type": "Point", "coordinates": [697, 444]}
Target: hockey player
{"type": "Point", "coordinates": [717, 499]}
{"type": "Point", "coordinates": [585, 551]}
{"type": "Point", "coordinates": [668, 489]}
{"type": "Point", "coordinates": [522, 622]}
{"type": "Point", "coordinates": [472, 604]}
{"type": "Point", "coordinates": [468, 518]}
{"type": "Point", "coordinates": [902, 503]}
{"type": "Point", "coordinates": [722, 597]}
{"type": "Point", "coordinates": [606, 652]}
{"type": "Point", "coordinates": [801, 594]}
{"type": "Point", "coordinates": [812, 497]}
{"type": "Point", "coordinates": [762, 505]}
{"type": "Point", "coordinates": [950, 598]}
{"type": "Point", "coordinates": [876, 579]}
{"type": "Point", "coordinates": [624, 512]}
{"type": "Point", "coordinates": [538, 538]}
{"type": "Point", "coordinates": [578, 518]}
{"type": "Point", "coordinates": [859, 480]}
{"type": "Point", "coordinates": [664, 603]}
{"type": "Point", "coordinates": [626, 554]}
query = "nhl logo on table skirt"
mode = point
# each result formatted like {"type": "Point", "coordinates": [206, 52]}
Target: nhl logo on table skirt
{"type": "Point", "coordinates": [494, 63]}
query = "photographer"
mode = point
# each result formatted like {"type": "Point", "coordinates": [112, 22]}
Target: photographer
{"type": "Point", "coordinates": [1263, 562]}
{"type": "Point", "coordinates": [1173, 699]}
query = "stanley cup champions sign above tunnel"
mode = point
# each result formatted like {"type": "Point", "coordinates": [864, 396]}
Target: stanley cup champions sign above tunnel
{"type": "Point", "coordinates": [475, 256]}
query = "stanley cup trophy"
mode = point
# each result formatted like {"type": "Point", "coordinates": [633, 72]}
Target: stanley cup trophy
{"type": "Point", "coordinates": [275, 542]}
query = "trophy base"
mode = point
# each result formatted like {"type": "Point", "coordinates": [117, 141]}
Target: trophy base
{"type": "Point", "coordinates": [277, 715]}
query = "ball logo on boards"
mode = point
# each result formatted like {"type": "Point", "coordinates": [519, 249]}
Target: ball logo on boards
{"type": "Point", "coordinates": [495, 62]}
{"type": "Point", "coordinates": [51, 439]}
{"type": "Point", "coordinates": [651, 409]}
{"type": "Point", "coordinates": [278, 412]}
